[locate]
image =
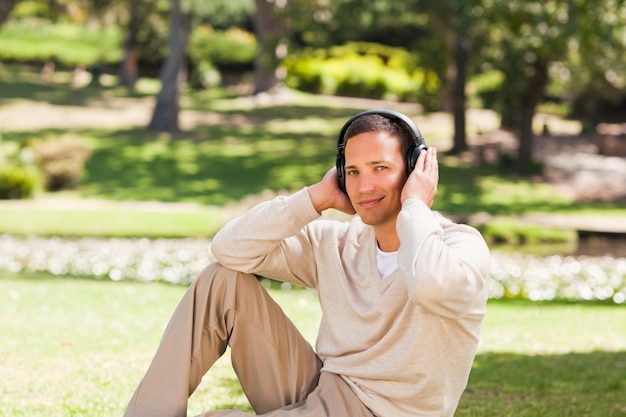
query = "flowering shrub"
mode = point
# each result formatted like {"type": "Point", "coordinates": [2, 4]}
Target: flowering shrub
{"type": "Point", "coordinates": [178, 261]}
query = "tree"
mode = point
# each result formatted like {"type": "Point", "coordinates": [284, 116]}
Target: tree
{"type": "Point", "coordinates": [450, 23]}
{"type": "Point", "coordinates": [529, 37]}
{"type": "Point", "coordinates": [270, 33]}
{"type": "Point", "coordinates": [174, 70]}
{"type": "Point", "coordinates": [129, 67]}
{"type": "Point", "coordinates": [173, 73]}
{"type": "Point", "coordinates": [6, 6]}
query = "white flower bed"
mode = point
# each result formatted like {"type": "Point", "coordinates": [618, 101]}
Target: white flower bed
{"type": "Point", "coordinates": [178, 261]}
{"type": "Point", "coordinates": [169, 260]}
{"type": "Point", "coordinates": [558, 277]}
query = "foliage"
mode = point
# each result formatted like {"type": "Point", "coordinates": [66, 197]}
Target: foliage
{"type": "Point", "coordinates": [223, 14]}
{"type": "Point", "coordinates": [583, 42]}
{"type": "Point", "coordinates": [362, 70]}
{"type": "Point", "coordinates": [320, 24]}
{"type": "Point", "coordinates": [223, 48]}
{"type": "Point", "coordinates": [62, 161]}
{"type": "Point", "coordinates": [18, 181]}
{"type": "Point", "coordinates": [486, 87]}
{"type": "Point", "coordinates": [19, 177]}
{"type": "Point", "coordinates": [213, 51]}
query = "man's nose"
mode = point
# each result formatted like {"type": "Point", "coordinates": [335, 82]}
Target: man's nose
{"type": "Point", "coordinates": [365, 183]}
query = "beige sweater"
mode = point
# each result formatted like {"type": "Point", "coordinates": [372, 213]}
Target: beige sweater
{"type": "Point", "coordinates": [405, 344]}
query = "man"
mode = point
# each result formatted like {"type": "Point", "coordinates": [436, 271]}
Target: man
{"type": "Point", "coordinates": [402, 292]}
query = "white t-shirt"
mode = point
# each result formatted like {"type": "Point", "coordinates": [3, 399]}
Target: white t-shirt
{"type": "Point", "coordinates": [387, 262]}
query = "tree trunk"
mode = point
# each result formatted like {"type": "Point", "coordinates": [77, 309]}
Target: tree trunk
{"type": "Point", "coordinates": [529, 103]}
{"type": "Point", "coordinates": [459, 99]}
{"type": "Point", "coordinates": [173, 73]}
{"type": "Point", "coordinates": [129, 68]}
{"type": "Point", "coordinates": [5, 9]}
{"type": "Point", "coordinates": [269, 30]}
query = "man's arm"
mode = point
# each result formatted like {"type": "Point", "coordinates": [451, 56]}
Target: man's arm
{"type": "Point", "coordinates": [272, 238]}
{"type": "Point", "coordinates": [446, 264]}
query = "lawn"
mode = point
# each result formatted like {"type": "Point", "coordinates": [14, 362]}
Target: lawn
{"type": "Point", "coordinates": [74, 347]}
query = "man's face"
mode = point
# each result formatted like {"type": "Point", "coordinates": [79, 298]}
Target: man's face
{"type": "Point", "coordinates": [375, 174]}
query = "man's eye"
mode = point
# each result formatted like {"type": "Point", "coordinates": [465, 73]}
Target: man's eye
{"type": "Point", "coordinates": [381, 167]}
{"type": "Point", "coordinates": [351, 172]}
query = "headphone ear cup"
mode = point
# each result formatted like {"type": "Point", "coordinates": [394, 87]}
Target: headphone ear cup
{"type": "Point", "coordinates": [411, 159]}
{"type": "Point", "coordinates": [412, 155]}
{"type": "Point", "coordinates": [341, 173]}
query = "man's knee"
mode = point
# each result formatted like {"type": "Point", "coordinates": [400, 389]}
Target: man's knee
{"type": "Point", "coordinates": [216, 277]}
{"type": "Point", "coordinates": [216, 272]}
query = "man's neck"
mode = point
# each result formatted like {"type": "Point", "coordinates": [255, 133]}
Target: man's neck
{"type": "Point", "coordinates": [387, 238]}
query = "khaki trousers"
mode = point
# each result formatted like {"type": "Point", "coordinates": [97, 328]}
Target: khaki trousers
{"type": "Point", "coordinates": [278, 369]}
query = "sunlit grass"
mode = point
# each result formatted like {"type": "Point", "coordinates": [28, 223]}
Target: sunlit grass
{"type": "Point", "coordinates": [70, 44]}
{"type": "Point", "coordinates": [75, 219]}
{"type": "Point", "coordinates": [79, 347]}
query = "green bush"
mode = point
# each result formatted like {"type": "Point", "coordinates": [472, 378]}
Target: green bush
{"type": "Point", "coordinates": [486, 86]}
{"type": "Point", "coordinates": [363, 70]}
{"type": "Point", "coordinates": [211, 50]}
{"type": "Point", "coordinates": [18, 181]}
{"type": "Point", "coordinates": [61, 160]}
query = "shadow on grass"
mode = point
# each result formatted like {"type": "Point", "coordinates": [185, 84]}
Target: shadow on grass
{"type": "Point", "coordinates": [468, 189]}
{"type": "Point", "coordinates": [298, 112]}
{"type": "Point", "coordinates": [224, 163]}
{"type": "Point", "coordinates": [60, 94]}
{"type": "Point", "coordinates": [244, 161]}
{"type": "Point", "coordinates": [573, 384]}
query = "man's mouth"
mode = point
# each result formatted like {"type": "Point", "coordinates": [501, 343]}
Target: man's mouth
{"type": "Point", "coordinates": [369, 202]}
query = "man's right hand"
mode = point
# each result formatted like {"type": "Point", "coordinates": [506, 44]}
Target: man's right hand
{"type": "Point", "coordinates": [326, 194]}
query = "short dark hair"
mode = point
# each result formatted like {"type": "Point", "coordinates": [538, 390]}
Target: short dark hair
{"type": "Point", "coordinates": [379, 123]}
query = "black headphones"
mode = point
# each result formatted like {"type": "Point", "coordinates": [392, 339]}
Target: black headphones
{"type": "Point", "coordinates": [410, 157]}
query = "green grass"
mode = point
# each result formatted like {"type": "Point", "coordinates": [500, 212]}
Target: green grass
{"type": "Point", "coordinates": [549, 359]}
{"type": "Point", "coordinates": [66, 43]}
{"type": "Point", "coordinates": [111, 221]}
{"type": "Point", "coordinates": [73, 347]}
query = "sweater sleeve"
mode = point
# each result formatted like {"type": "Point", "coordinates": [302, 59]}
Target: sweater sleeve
{"type": "Point", "coordinates": [446, 265]}
{"type": "Point", "coordinates": [271, 240]}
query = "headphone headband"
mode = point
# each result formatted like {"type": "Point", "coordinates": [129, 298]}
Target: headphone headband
{"type": "Point", "coordinates": [389, 114]}
{"type": "Point", "coordinates": [410, 157]}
